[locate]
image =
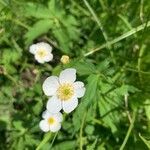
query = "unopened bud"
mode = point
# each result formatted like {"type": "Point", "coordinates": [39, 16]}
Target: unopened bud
{"type": "Point", "coordinates": [65, 59]}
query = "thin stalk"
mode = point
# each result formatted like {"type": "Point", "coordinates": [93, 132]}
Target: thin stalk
{"type": "Point", "coordinates": [44, 141]}
{"type": "Point", "coordinates": [141, 11]}
{"type": "Point", "coordinates": [128, 132]}
{"type": "Point", "coordinates": [141, 52]}
{"type": "Point", "coordinates": [81, 131]}
{"type": "Point", "coordinates": [81, 8]}
{"type": "Point", "coordinates": [96, 19]}
{"type": "Point", "coordinates": [126, 106]}
{"type": "Point", "coordinates": [53, 139]}
{"type": "Point", "coordinates": [125, 35]}
{"type": "Point", "coordinates": [128, 25]}
{"type": "Point", "coordinates": [11, 78]}
{"type": "Point", "coordinates": [18, 22]}
{"type": "Point", "coordinates": [137, 71]}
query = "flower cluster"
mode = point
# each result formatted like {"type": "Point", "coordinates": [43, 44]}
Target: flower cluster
{"type": "Point", "coordinates": [63, 91]}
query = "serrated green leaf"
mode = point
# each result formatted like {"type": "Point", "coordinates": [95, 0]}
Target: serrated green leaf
{"type": "Point", "coordinates": [39, 28]}
{"type": "Point", "coordinates": [18, 125]}
{"type": "Point", "coordinates": [10, 56]}
{"type": "Point", "coordinates": [63, 40]}
{"type": "Point", "coordinates": [125, 89]}
{"type": "Point", "coordinates": [84, 68]}
{"type": "Point", "coordinates": [89, 97]}
{"type": "Point", "coordinates": [37, 10]}
{"type": "Point", "coordinates": [92, 146]}
{"type": "Point", "coordinates": [109, 119]}
{"type": "Point", "coordinates": [147, 143]}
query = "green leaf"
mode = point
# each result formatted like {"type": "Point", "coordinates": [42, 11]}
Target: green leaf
{"type": "Point", "coordinates": [89, 129]}
{"type": "Point", "coordinates": [38, 107]}
{"type": "Point", "coordinates": [147, 108]}
{"type": "Point", "coordinates": [10, 56]}
{"type": "Point", "coordinates": [90, 96]}
{"type": "Point", "coordinates": [92, 146]}
{"type": "Point", "coordinates": [66, 145]}
{"type": "Point", "coordinates": [63, 39]}
{"type": "Point", "coordinates": [84, 68]}
{"type": "Point", "coordinates": [31, 140]}
{"type": "Point", "coordinates": [39, 28]}
{"type": "Point", "coordinates": [109, 119]}
{"type": "Point", "coordinates": [147, 143]}
{"type": "Point", "coordinates": [20, 144]}
{"type": "Point", "coordinates": [18, 125]}
{"type": "Point", "coordinates": [125, 89]}
{"type": "Point", "coordinates": [37, 11]}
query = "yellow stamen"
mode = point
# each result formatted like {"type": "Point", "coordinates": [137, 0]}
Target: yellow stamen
{"type": "Point", "coordinates": [65, 91]}
{"type": "Point", "coordinates": [51, 120]}
{"type": "Point", "coordinates": [42, 53]}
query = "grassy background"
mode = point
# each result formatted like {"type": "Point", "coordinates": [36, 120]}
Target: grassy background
{"type": "Point", "coordinates": [108, 44]}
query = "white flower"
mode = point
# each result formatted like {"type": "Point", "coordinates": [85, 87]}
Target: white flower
{"type": "Point", "coordinates": [42, 52]}
{"type": "Point", "coordinates": [51, 122]}
{"type": "Point", "coordinates": [64, 91]}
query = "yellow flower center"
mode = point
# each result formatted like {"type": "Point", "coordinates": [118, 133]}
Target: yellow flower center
{"type": "Point", "coordinates": [42, 53]}
{"type": "Point", "coordinates": [65, 91]}
{"type": "Point", "coordinates": [51, 120]}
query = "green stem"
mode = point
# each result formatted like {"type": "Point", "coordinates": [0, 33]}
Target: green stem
{"type": "Point", "coordinates": [81, 8]}
{"type": "Point", "coordinates": [53, 139]}
{"type": "Point", "coordinates": [18, 22]}
{"type": "Point", "coordinates": [45, 140]}
{"type": "Point", "coordinates": [128, 132]}
{"type": "Point", "coordinates": [125, 21]}
{"type": "Point", "coordinates": [127, 34]}
{"type": "Point", "coordinates": [141, 52]}
{"type": "Point", "coordinates": [11, 78]}
{"type": "Point", "coordinates": [141, 10]}
{"type": "Point", "coordinates": [81, 131]}
{"type": "Point", "coordinates": [96, 19]}
{"type": "Point", "coordinates": [137, 71]}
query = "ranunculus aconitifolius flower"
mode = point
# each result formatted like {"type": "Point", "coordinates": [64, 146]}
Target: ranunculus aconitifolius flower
{"type": "Point", "coordinates": [64, 91]}
{"type": "Point", "coordinates": [42, 52]}
{"type": "Point", "coordinates": [51, 122]}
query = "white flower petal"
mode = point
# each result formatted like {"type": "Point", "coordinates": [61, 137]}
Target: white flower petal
{"type": "Point", "coordinates": [78, 84]}
{"type": "Point", "coordinates": [70, 105]}
{"type": "Point", "coordinates": [58, 117]}
{"type": "Point", "coordinates": [45, 46]}
{"type": "Point", "coordinates": [55, 127]}
{"type": "Point", "coordinates": [50, 85]}
{"type": "Point", "coordinates": [44, 126]}
{"type": "Point", "coordinates": [46, 114]}
{"type": "Point", "coordinates": [39, 59]}
{"type": "Point", "coordinates": [54, 105]}
{"type": "Point", "coordinates": [49, 57]}
{"type": "Point", "coordinates": [33, 48]}
{"type": "Point", "coordinates": [67, 76]}
{"type": "Point", "coordinates": [79, 92]}
{"type": "Point", "coordinates": [79, 89]}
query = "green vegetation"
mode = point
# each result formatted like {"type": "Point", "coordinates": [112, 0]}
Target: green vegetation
{"type": "Point", "coordinates": [108, 43]}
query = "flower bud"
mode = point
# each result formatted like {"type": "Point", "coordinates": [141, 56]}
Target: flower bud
{"type": "Point", "coordinates": [65, 59]}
